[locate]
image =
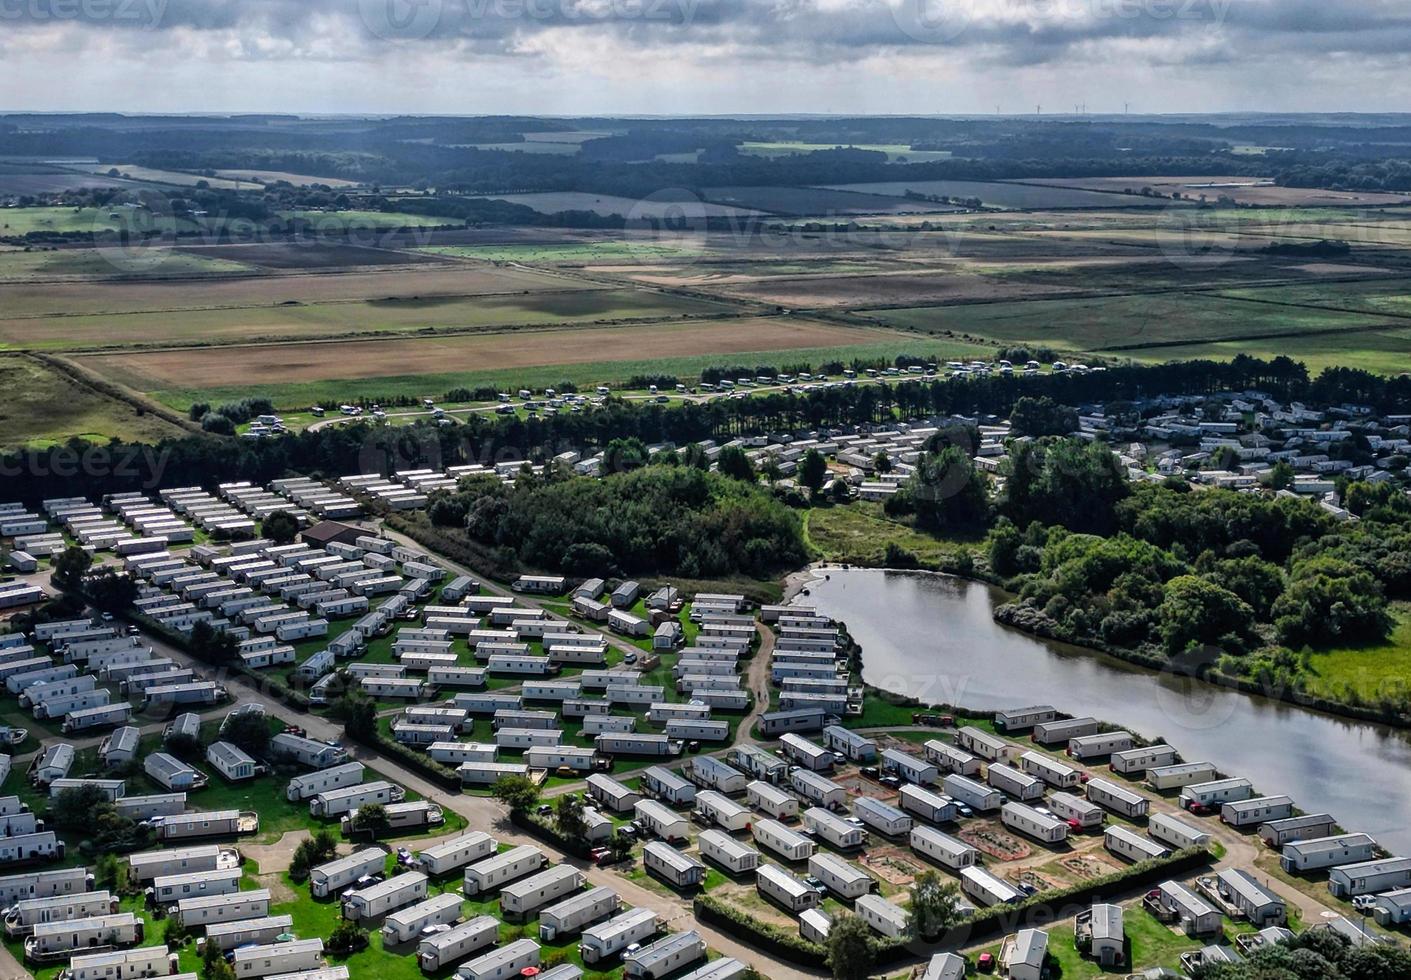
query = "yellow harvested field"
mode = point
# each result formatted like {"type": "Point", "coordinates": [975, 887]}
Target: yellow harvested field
{"type": "Point", "coordinates": [294, 363]}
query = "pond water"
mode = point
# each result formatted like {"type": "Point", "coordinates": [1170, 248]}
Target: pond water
{"type": "Point", "coordinates": [932, 637]}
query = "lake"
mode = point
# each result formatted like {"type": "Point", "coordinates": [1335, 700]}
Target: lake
{"type": "Point", "coordinates": [932, 637]}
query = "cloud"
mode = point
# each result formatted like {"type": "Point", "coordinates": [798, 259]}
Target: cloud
{"type": "Point", "coordinates": [1069, 38]}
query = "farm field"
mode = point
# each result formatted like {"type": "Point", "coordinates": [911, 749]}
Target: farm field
{"type": "Point", "coordinates": [1380, 351]}
{"type": "Point", "coordinates": [1385, 297]}
{"type": "Point", "coordinates": [1128, 323]}
{"type": "Point", "coordinates": [338, 318]}
{"type": "Point", "coordinates": [831, 289]}
{"type": "Point", "coordinates": [269, 176]}
{"type": "Point", "coordinates": [304, 254]}
{"type": "Point", "coordinates": [567, 253]}
{"type": "Point", "coordinates": [817, 200]}
{"type": "Point", "coordinates": [18, 265]}
{"type": "Point", "coordinates": [552, 202]}
{"type": "Point", "coordinates": [23, 221]}
{"type": "Point", "coordinates": [43, 407]}
{"type": "Point", "coordinates": [175, 178]}
{"type": "Point", "coordinates": [432, 281]}
{"type": "Point", "coordinates": [299, 374]}
{"type": "Point", "coordinates": [1245, 190]}
{"type": "Point", "coordinates": [999, 194]}
{"type": "Point", "coordinates": [896, 152]}
{"type": "Point", "coordinates": [335, 222]}
{"type": "Point", "coordinates": [18, 183]}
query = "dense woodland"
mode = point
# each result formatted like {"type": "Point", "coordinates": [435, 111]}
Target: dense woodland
{"type": "Point", "coordinates": [1317, 954]}
{"type": "Point", "coordinates": [638, 157]}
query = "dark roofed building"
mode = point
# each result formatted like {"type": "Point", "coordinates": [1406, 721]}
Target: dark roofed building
{"type": "Point", "coordinates": [324, 533]}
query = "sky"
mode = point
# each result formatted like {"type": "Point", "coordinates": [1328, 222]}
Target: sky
{"type": "Point", "coordinates": [688, 57]}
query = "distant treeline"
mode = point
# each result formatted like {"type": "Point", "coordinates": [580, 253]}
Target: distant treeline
{"type": "Point", "coordinates": [77, 468]}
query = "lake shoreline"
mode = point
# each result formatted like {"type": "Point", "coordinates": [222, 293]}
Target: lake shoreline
{"type": "Point", "coordinates": [796, 583]}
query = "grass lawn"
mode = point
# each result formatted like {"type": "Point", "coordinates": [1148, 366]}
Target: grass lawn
{"type": "Point", "coordinates": [858, 534]}
{"type": "Point", "coordinates": [1366, 674]}
{"type": "Point", "coordinates": [44, 407]}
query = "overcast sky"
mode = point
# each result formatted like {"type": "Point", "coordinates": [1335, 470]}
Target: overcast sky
{"type": "Point", "coordinates": [678, 57]}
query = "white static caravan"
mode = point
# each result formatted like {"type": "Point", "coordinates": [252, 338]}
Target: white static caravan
{"type": "Point", "coordinates": [927, 804]}
{"type": "Point", "coordinates": [1027, 820]}
{"type": "Point", "coordinates": [203, 909]}
{"type": "Point", "coordinates": [404, 925]}
{"type": "Point", "coordinates": [499, 870]}
{"type": "Point", "coordinates": [1099, 745]}
{"type": "Point", "coordinates": [488, 773]}
{"type": "Point", "coordinates": [945, 966]}
{"type": "Point", "coordinates": [909, 768]}
{"type": "Point", "coordinates": [613, 936]}
{"type": "Point", "coordinates": [523, 898]}
{"type": "Point", "coordinates": [1195, 915]}
{"type": "Point", "coordinates": [1012, 782]}
{"type": "Point", "coordinates": [167, 889]}
{"type": "Point", "coordinates": [1368, 877]}
{"type": "Point", "coordinates": [806, 753]}
{"type": "Point", "coordinates": [789, 844]}
{"type": "Point", "coordinates": [726, 851]}
{"type": "Point", "coordinates": [1247, 813]}
{"type": "Point", "coordinates": [818, 789]}
{"type": "Point", "coordinates": [814, 925]}
{"type": "Point", "coordinates": [637, 744]}
{"type": "Point", "coordinates": [784, 889]}
{"type": "Point", "coordinates": [612, 794]}
{"type": "Point", "coordinates": [989, 747]}
{"type": "Point", "coordinates": [278, 958]}
{"type": "Point", "coordinates": [858, 748]}
{"type": "Point", "coordinates": [1175, 832]}
{"type": "Point", "coordinates": [1117, 798]}
{"type": "Point", "coordinates": [1203, 797]}
{"type": "Point", "coordinates": [1251, 899]}
{"type": "Point", "coordinates": [828, 826]}
{"type": "Point", "coordinates": [1061, 730]}
{"type": "Point", "coordinates": [666, 785]}
{"type": "Point", "coordinates": [944, 849]}
{"type": "Point", "coordinates": [207, 823]}
{"type": "Point", "coordinates": [31, 847]}
{"type": "Point", "coordinates": [28, 913]}
{"type": "Point", "coordinates": [883, 916]}
{"type": "Point", "coordinates": [43, 884]}
{"type": "Point", "coordinates": [1022, 719]}
{"type": "Point", "coordinates": [882, 817]}
{"type": "Point", "coordinates": [1308, 826]}
{"type": "Point", "coordinates": [145, 961]}
{"type": "Point", "coordinates": [677, 869]}
{"type": "Point", "coordinates": [771, 800]}
{"type": "Point", "coordinates": [147, 865]}
{"type": "Point", "coordinates": [1129, 761]}
{"type": "Point", "coordinates": [662, 821]}
{"type": "Point", "coordinates": [244, 932]}
{"type": "Point", "coordinates": [328, 879]}
{"type": "Point", "coordinates": [444, 948]}
{"type": "Point", "coordinates": [842, 878]}
{"type": "Point", "coordinates": [336, 802]}
{"type": "Point", "coordinates": [574, 913]}
{"type": "Point", "coordinates": [975, 795]}
{"type": "Point", "coordinates": [510, 960]}
{"type": "Point", "coordinates": [664, 957]}
{"type": "Point", "coordinates": [1131, 845]}
{"type": "Point", "coordinates": [450, 855]}
{"type": "Point", "coordinates": [1327, 852]}
{"type": "Point", "coordinates": [986, 888]}
{"type": "Point", "coordinates": [384, 897]}
{"type": "Point", "coordinates": [1166, 778]}
{"type": "Point", "coordinates": [722, 811]}
{"type": "Point", "coordinates": [705, 770]}
{"type": "Point", "coordinates": [1050, 770]}
{"type": "Point", "coordinates": [313, 783]}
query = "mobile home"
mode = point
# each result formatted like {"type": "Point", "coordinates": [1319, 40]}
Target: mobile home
{"type": "Point", "coordinates": [974, 795]}
{"type": "Point", "coordinates": [1022, 719]}
{"type": "Point", "coordinates": [278, 958]}
{"type": "Point", "coordinates": [666, 785]}
{"type": "Point", "coordinates": [1308, 826]}
{"type": "Point", "coordinates": [882, 816]}
{"type": "Point", "coordinates": [442, 949]}
{"type": "Point", "coordinates": [1166, 778]}
{"type": "Point", "coordinates": [404, 925]}
{"type": "Point", "coordinates": [842, 878]}
{"type": "Point", "coordinates": [833, 829]}
{"type": "Point", "coordinates": [1256, 903]}
{"type": "Point", "coordinates": [726, 851]}
{"type": "Point", "coordinates": [989, 747]}
{"type": "Point", "coordinates": [322, 781]}
{"type": "Point", "coordinates": [1118, 799]}
{"type": "Point", "coordinates": [1027, 820]}
{"type": "Point", "coordinates": [385, 897]}
{"type": "Point", "coordinates": [884, 917]}
{"type": "Point", "coordinates": [1202, 797]}
{"type": "Point", "coordinates": [1050, 770]}
{"type": "Point", "coordinates": [909, 768]}
{"type": "Point", "coordinates": [672, 866]}
{"type": "Point", "coordinates": [1099, 745]}
{"type": "Point", "coordinates": [1368, 877]}
{"type": "Point", "coordinates": [1012, 782]}
{"type": "Point", "coordinates": [574, 913]}
{"type": "Point", "coordinates": [665, 956]}
{"type": "Point", "coordinates": [1327, 852]}
{"type": "Point", "coordinates": [986, 888]}
{"type": "Point", "coordinates": [1129, 761]}
{"type": "Point", "coordinates": [789, 844]}
{"type": "Point", "coordinates": [1131, 845]}
{"type": "Point", "coordinates": [771, 800]}
{"type": "Point", "coordinates": [661, 820]}
{"type": "Point", "coordinates": [336, 802]}
{"type": "Point", "coordinates": [612, 794]}
{"type": "Point", "coordinates": [446, 856]}
{"type": "Point", "coordinates": [606, 940]}
{"type": "Point", "coordinates": [784, 889]}
{"type": "Point", "coordinates": [499, 870]}
{"type": "Point", "coordinates": [1175, 832]}
{"type": "Point", "coordinates": [722, 811]}
{"type": "Point", "coordinates": [332, 877]}
{"type": "Point", "coordinates": [1247, 813]}
{"type": "Point", "coordinates": [1195, 916]}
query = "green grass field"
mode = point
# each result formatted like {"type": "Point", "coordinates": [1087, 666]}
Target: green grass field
{"type": "Point", "coordinates": [859, 533]}
{"type": "Point", "coordinates": [332, 221]}
{"type": "Point", "coordinates": [1129, 324]}
{"type": "Point", "coordinates": [574, 252]}
{"type": "Point", "coordinates": [43, 407]}
{"type": "Point", "coordinates": [1366, 674]}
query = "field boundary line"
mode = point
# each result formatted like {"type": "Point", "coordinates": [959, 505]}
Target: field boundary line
{"type": "Point", "coordinates": [100, 385]}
